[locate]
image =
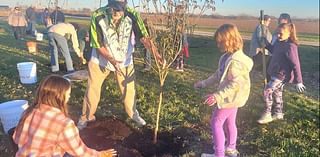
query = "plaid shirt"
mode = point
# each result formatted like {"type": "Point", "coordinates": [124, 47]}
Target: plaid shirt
{"type": "Point", "coordinates": [48, 132]}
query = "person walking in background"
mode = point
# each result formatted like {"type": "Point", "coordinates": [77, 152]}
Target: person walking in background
{"type": "Point", "coordinates": [32, 20]}
{"type": "Point", "coordinates": [45, 128]}
{"type": "Point", "coordinates": [85, 47]}
{"type": "Point", "coordinates": [183, 53]}
{"type": "Point", "coordinates": [257, 40]}
{"type": "Point", "coordinates": [284, 68]}
{"type": "Point", "coordinates": [257, 43]}
{"type": "Point", "coordinates": [147, 55]}
{"type": "Point", "coordinates": [112, 48]}
{"type": "Point", "coordinates": [57, 16]}
{"type": "Point", "coordinates": [232, 91]}
{"type": "Point", "coordinates": [283, 18]}
{"type": "Point", "coordinates": [18, 23]}
{"type": "Point", "coordinates": [45, 17]}
{"type": "Point", "coordinates": [58, 41]}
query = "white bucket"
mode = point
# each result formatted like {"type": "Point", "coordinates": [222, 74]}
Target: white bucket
{"type": "Point", "coordinates": [27, 72]}
{"type": "Point", "coordinates": [39, 36]}
{"type": "Point", "coordinates": [10, 113]}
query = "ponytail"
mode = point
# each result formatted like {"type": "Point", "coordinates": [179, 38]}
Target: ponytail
{"type": "Point", "coordinates": [293, 33]}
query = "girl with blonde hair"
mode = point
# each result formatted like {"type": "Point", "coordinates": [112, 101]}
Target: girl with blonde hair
{"type": "Point", "coordinates": [233, 89]}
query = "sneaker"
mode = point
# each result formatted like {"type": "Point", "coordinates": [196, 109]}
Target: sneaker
{"type": "Point", "coordinates": [54, 68]}
{"type": "Point", "coordinates": [55, 71]}
{"type": "Point", "coordinates": [146, 69]}
{"type": "Point", "coordinates": [138, 119]}
{"type": "Point", "coordinates": [83, 123]}
{"type": "Point", "coordinates": [231, 152]}
{"type": "Point", "coordinates": [70, 71]}
{"type": "Point", "coordinates": [278, 116]}
{"type": "Point", "coordinates": [207, 155]}
{"type": "Point", "coordinates": [179, 70]}
{"type": "Point", "coordinates": [265, 118]}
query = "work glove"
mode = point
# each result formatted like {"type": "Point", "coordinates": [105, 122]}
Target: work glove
{"type": "Point", "coordinates": [210, 100]}
{"type": "Point", "coordinates": [300, 87]}
{"type": "Point", "coordinates": [108, 153]}
{"type": "Point", "coordinates": [82, 60]}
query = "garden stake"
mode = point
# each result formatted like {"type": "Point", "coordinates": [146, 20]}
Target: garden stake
{"type": "Point", "coordinates": [264, 66]}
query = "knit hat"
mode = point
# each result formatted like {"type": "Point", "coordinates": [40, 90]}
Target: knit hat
{"type": "Point", "coordinates": [115, 5]}
{"type": "Point", "coordinates": [284, 16]}
{"type": "Point", "coordinates": [122, 2]}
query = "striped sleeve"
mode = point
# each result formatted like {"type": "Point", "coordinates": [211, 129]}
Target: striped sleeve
{"type": "Point", "coordinates": [96, 34]}
{"type": "Point", "coordinates": [139, 28]}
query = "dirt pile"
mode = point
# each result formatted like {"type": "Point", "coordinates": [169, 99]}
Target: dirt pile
{"type": "Point", "coordinates": [113, 133]}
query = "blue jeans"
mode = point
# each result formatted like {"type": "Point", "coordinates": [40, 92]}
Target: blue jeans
{"type": "Point", "coordinates": [147, 59]}
{"type": "Point", "coordinates": [58, 41]}
{"type": "Point", "coordinates": [31, 27]}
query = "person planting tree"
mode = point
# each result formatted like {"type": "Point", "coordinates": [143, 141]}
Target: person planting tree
{"type": "Point", "coordinates": [112, 39]}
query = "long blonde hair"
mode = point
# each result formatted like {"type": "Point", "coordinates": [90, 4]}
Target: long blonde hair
{"type": "Point", "coordinates": [51, 91]}
{"type": "Point", "coordinates": [292, 29]}
{"type": "Point", "coordinates": [228, 38]}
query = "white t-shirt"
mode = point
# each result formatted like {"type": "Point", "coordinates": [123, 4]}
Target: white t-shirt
{"type": "Point", "coordinates": [120, 43]}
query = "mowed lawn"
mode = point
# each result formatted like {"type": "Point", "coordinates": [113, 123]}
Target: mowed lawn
{"type": "Point", "coordinates": [296, 135]}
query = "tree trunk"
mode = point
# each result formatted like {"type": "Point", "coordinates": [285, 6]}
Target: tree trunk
{"type": "Point", "coordinates": [155, 136]}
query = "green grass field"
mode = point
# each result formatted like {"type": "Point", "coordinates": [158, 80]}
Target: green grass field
{"type": "Point", "coordinates": [296, 135]}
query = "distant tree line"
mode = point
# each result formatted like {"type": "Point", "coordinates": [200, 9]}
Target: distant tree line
{"type": "Point", "coordinates": [87, 12]}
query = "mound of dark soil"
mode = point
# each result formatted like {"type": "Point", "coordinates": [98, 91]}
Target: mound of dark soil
{"type": "Point", "coordinates": [107, 134]}
{"type": "Point", "coordinates": [113, 133]}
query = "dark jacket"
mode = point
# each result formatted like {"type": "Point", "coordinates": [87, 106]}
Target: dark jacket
{"type": "Point", "coordinates": [57, 17]}
{"type": "Point", "coordinates": [285, 63]}
{"type": "Point", "coordinates": [31, 14]}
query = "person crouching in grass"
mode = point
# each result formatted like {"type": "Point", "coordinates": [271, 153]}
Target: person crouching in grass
{"type": "Point", "coordinates": [45, 128]}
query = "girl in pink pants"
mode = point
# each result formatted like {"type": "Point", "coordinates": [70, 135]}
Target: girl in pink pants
{"type": "Point", "coordinates": [233, 89]}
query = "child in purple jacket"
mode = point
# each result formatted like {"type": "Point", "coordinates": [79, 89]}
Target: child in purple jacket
{"type": "Point", "coordinates": [284, 67]}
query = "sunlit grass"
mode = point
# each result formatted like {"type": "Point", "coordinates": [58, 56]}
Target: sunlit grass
{"type": "Point", "coordinates": [296, 135]}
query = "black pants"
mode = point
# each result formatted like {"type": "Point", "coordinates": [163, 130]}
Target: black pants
{"type": "Point", "coordinates": [19, 31]}
{"type": "Point", "coordinates": [10, 134]}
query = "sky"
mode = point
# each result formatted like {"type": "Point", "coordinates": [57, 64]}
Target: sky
{"type": "Point", "coordinates": [296, 8]}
